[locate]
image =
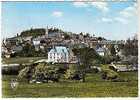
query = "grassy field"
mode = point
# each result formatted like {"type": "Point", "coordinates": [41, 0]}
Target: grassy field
{"type": "Point", "coordinates": [20, 60]}
{"type": "Point", "coordinates": [93, 87]}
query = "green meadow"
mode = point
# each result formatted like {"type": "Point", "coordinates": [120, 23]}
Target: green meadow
{"type": "Point", "coordinates": [93, 87]}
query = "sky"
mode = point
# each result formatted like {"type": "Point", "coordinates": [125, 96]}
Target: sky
{"type": "Point", "coordinates": [112, 20]}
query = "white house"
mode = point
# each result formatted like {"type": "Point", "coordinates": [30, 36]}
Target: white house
{"type": "Point", "coordinates": [100, 51]}
{"type": "Point", "coordinates": [58, 54]}
{"type": "Point", "coordinates": [36, 43]}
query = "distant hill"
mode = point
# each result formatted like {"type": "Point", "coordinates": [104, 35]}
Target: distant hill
{"type": "Point", "coordinates": [33, 32]}
{"type": "Point", "coordinates": [38, 32]}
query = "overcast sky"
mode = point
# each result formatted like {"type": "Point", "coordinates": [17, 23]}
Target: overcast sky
{"type": "Point", "coordinates": [112, 20]}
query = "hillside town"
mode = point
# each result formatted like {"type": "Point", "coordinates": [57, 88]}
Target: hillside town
{"type": "Point", "coordinates": [57, 46]}
{"type": "Point", "coordinates": [67, 54]}
{"type": "Point", "coordinates": [54, 37]}
{"type": "Point", "coordinates": [69, 49]}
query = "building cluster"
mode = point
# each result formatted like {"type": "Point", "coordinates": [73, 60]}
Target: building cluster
{"type": "Point", "coordinates": [58, 45]}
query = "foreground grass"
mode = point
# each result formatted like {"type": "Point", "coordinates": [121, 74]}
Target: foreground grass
{"type": "Point", "coordinates": [20, 60]}
{"type": "Point", "coordinates": [93, 87]}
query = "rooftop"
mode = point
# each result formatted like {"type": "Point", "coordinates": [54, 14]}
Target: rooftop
{"type": "Point", "coordinates": [100, 49]}
{"type": "Point", "coordinates": [59, 49]}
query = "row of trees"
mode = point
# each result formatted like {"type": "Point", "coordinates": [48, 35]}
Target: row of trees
{"type": "Point", "coordinates": [130, 47]}
{"type": "Point", "coordinates": [29, 51]}
{"type": "Point", "coordinates": [33, 32]}
{"type": "Point", "coordinates": [87, 35]}
{"type": "Point", "coordinates": [38, 32]}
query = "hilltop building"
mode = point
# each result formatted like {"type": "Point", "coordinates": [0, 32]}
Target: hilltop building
{"type": "Point", "coordinates": [46, 34]}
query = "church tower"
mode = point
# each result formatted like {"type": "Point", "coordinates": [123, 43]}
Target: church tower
{"type": "Point", "coordinates": [46, 34]}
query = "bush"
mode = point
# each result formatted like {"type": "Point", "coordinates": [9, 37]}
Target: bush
{"type": "Point", "coordinates": [44, 72]}
{"type": "Point", "coordinates": [109, 75]}
{"type": "Point", "coordinates": [24, 74]}
{"type": "Point", "coordinates": [40, 72]}
{"type": "Point", "coordinates": [107, 59]}
{"type": "Point", "coordinates": [112, 68]}
{"type": "Point", "coordinates": [73, 73]}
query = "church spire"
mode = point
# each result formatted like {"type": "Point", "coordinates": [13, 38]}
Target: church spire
{"type": "Point", "coordinates": [46, 32]}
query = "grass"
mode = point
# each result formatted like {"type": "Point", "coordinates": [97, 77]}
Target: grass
{"type": "Point", "coordinates": [93, 87]}
{"type": "Point", "coordinates": [21, 60]}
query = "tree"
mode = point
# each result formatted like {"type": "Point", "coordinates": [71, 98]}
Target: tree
{"type": "Point", "coordinates": [101, 38]}
{"type": "Point", "coordinates": [24, 73]}
{"type": "Point", "coordinates": [86, 35]}
{"type": "Point", "coordinates": [131, 47]}
{"type": "Point", "coordinates": [27, 50]}
{"type": "Point", "coordinates": [33, 32]}
{"type": "Point", "coordinates": [85, 58]}
{"type": "Point", "coordinates": [81, 33]}
{"type": "Point", "coordinates": [109, 75]}
{"type": "Point", "coordinates": [41, 72]}
{"type": "Point", "coordinates": [112, 50]}
{"type": "Point", "coordinates": [66, 36]}
{"type": "Point", "coordinates": [73, 73]}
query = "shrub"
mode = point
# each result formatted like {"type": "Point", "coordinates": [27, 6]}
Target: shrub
{"type": "Point", "coordinates": [112, 68]}
{"type": "Point", "coordinates": [23, 74]}
{"type": "Point", "coordinates": [73, 73]}
{"type": "Point", "coordinates": [41, 72]}
{"type": "Point", "coordinates": [109, 75]}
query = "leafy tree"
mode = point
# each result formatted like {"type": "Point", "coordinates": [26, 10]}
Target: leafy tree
{"type": "Point", "coordinates": [86, 35]}
{"type": "Point", "coordinates": [93, 35]}
{"type": "Point", "coordinates": [109, 74]}
{"type": "Point", "coordinates": [112, 50]}
{"type": "Point", "coordinates": [66, 36]}
{"type": "Point", "coordinates": [55, 30]}
{"type": "Point", "coordinates": [33, 32]}
{"type": "Point", "coordinates": [81, 33]}
{"type": "Point", "coordinates": [131, 47]}
{"type": "Point", "coordinates": [87, 55]}
{"type": "Point", "coordinates": [24, 73]}
{"type": "Point", "coordinates": [27, 50]}
{"type": "Point", "coordinates": [107, 59]}
{"type": "Point", "coordinates": [77, 36]}
{"type": "Point", "coordinates": [85, 58]}
{"type": "Point", "coordinates": [41, 72]}
{"type": "Point", "coordinates": [71, 72]}
{"type": "Point", "coordinates": [101, 38]}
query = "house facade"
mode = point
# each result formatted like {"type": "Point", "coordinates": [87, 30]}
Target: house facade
{"type": "Point", "coordinates": [58, 54]}
{"type": "Point", "coordinates": [100, 51]}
